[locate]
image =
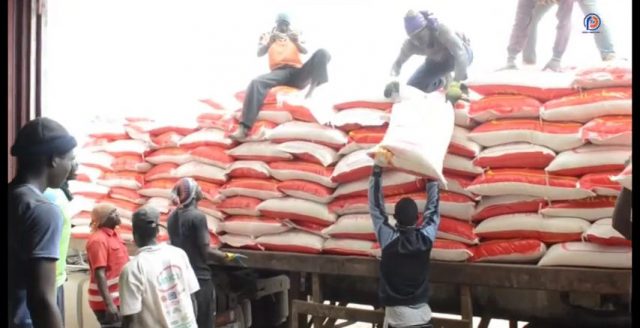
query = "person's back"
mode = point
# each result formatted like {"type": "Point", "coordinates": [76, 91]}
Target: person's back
{"type": "Point", "coordinates": [187, 233]}
{"type": "Point", "coordinates": [157, 286]}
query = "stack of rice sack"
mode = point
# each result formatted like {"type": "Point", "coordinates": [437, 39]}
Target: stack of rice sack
{"type": "Point", "coordinates": [550, 152]}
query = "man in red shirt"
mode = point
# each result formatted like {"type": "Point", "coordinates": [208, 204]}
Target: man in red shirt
{"type": "Point", "coordinates": [107, 255]}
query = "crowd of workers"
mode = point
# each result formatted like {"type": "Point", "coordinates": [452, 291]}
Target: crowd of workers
{"type": "Point", "coordinates": [170, 285]}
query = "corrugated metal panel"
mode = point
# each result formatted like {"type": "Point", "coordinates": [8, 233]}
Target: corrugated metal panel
{"type": "Point", "coordinates": [20, 16]}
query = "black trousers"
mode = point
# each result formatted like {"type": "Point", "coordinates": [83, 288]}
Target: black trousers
{"type": "Point", "coordinates": [101, 316]}
{"type": "Point", "coordinates": [206, 304]}
{"type": "Point", "coordinates": [313, 71]}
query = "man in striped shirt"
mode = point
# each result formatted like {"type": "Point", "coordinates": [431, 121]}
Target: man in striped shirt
{"type": "Point", "coordinates": [107, 255]}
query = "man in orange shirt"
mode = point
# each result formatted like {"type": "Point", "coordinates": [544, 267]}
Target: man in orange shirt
{"type": "Point", "coordinates": [284, 47]}
{"type": "Point", "coordinates": [107, 255]}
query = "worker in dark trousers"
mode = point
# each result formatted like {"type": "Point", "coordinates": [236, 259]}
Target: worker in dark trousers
{"type": "Point", "coordinates": [284, 47]}
{"type": "Point", "coordinates": [406, 248]}
{"type": "Point", "coordinates": [446, 51]}
{"type": "Point", "coordinates": [188, 230]}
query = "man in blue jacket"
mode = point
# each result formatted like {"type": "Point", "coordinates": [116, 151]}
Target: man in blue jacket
{"type": "Point", "coordinates": [404, 266]}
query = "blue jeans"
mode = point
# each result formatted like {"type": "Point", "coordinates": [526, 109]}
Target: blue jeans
{"type": "Point", "coordinates": [430, 76]}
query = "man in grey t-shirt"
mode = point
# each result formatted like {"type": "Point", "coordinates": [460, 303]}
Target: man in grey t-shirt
{"type": "Point", "coordinates": [44, 150]}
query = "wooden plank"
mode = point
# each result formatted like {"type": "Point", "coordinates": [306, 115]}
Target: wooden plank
{"type": "Point", "coordinates": [345, 313]}
{"type": "Point", "coordinates": [484, 322]}
{"type": "Point", "coordinates": [605, 281]}
{"type": "Point", "coordinates": [316, 297]}
{"type": "Point", "coordinates": [466, 307]}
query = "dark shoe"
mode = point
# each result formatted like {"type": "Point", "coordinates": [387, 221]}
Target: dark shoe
{"type": "Point", "coordinates": [391, 89]}
{"type": "Point", "coordinates": [240, 133]}
{"type": "Point", "coordinates": [312, 87]}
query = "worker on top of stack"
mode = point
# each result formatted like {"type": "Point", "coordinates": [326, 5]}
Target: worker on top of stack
{"type": "Point", "coordinates": [528, 13]}
{"type": "Point", "coordinates": [406, 248]}
{"type": "Point", "coordinates": [44, 151]}
{"type": "Point", "coordinates": [446, 51]}
{"type": "Point", "coordinates": [284, 47]}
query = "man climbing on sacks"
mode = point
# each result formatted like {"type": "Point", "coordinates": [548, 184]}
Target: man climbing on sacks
{"type": "Point", "coordinates": [404, 266]}
{"type": "Point", "coordinates": [284, 47]}
{"type": "Point", "coordinates": [446, 51]}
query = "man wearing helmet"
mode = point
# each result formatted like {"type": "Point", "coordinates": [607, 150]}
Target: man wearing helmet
{"type": "Point", "coordinates": [284, 47]}
{"type": "Point", "coordinates": [446, 52]}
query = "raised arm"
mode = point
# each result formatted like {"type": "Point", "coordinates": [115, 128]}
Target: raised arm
{"type": "Point", "coordinates": [298, 41]}
{"type": "Point", "coordinates": [406, 52]}
{"type": "Point", "coordinates": [383, 231]}
{"type": "Point", "coordinates": [456, 46]}
{"type": "Point", "coordinates": [431, 215]}
{"type": "Point", "coordinates": [266, 40]}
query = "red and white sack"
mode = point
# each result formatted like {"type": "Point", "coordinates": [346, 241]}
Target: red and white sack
{"type": "Point", "coordinates": [609, 130]}
{"type": "Point", "coordinates": [297, 170]}
{"type": "Point", "coordinates": [253, 226]}
{"type": "Point", "coordinates": [130, 163]}
{"type": "Point", "coordinates": [393, 183]}
{"type": "Point", "coordinates": [131, 180]}
{"type": "Point", "coordinates": [126, 147]}
{"type": "Point", "coordinates": [125, 208]}
{"type": "Point", "coordinates": [166, 140]}
{"type": "Point", "coordinates": [458, 165]}
{"type": "Point", "coordinates": [140, 129]}
{"type": "Point", "coordinates": [158, 188]}
{"type": "Point", "coordinates": [248, 169]}
{"type": "Point", "coordinates": [352, 226]}
{"type": "Point", "coordinates": [80, 232]}
{"type": "Point", "coordinates": [589, 159]}
{"type": "Point", "coordinates": [590, 209]}
{"type": "Point", "coordinates": [181, 124]}
{"type": "Point", "coordinates": [585, 106]}
{"type": "Point", "coordinates": [259, 131]}
{"type": "Point", "coordinates": [504, 106]}
{"type": "Point", "coordinates": [213, 224]}
{"type": "Point", "coordinates": [88, 174]}
{"type": "Point", "coordinates": [584, 254]}
{"type": "Point", "coordinates": [88, 189]}
{"type": "Point", "coordinates": [515, 155]}
{"type": "Point", "coordinates": [206, 137]}
{"type": "Point", "coordinates": [163, 205]}
{"type": "Point", "coordinates": [94, 145]}
{"type": "Point", "coordinates": [211, 209]}
{"type": "Point", "coordinates": [624, 178]}
{"type": "Point", "coordinates": [600, 183]}
{"type": "Point", "coordinates": [554, 135]}
{"type": "Point", "coordinates": [81, 219]}
{"type": "Point", "coordinates": [239, 241]}
{"type": "Point", "coordinates": [210, 191]}
{"type": "Point", "coordinates": [354, 247]}
{"type": "Point", "coordinates": [99, 160]}
{"type": "Point", "coordinates": [263, 151]}
{"type": "Point", "coordinates": [532, 225]}
{"type": "Point", "coordinates": [458, 185]}
{"type": "Point", "coordinates": [508, 204]}
{"type": "Point", "coordinates": [169, 155]}
{"type": "Point", "coordinates": [80, 204]}
{"type": "Point", "coordinates": [306, 190]}
{"type": "Point", "coordinates": [602, 232]}
{"type": "Point", "coordinates": [453, 205]}
{"type": "Point", "coordinates": [419, 134]}
{"type": "Point", "coordinates": [255, 188]}
{"type": "Point", "coordinates": [212, 155]}
{"type": "Point", "coordinates": [312, 132]}
{"type": "Point", "coordinates": [461, 145]}
{"type": "Point", "coordinates": [540, 85]}
{"type": "Point", "coordinates": [240, 205]}
{"type": "Point", "coordinates": [295, 241]}
{"type": "Point", "coordinates": [349, 205]}
{"type": "Point", "coordinates": [202, 171]}
{"type": "Point", "coordinates": [162, 171]}
{"type": "Point", "coordinates": [353, 167]}
{"type": "Point", "coordinates": [307, 226]}
{"type": "Point", "coordinates": [456, 230]}
{"type": "Point", "coordinates": [310, 152]}
{"type": "Point", "coordinates": [362, 97]}
{"type": "Point", "coordinates": [509, 251]}
{"type": "Point", "coordinates": [605, 74]}
{"type": "Point", "coordinates": [356, 118]}
{"type": "Point", "coordinates": [110, 131]}
{"type": "Point", "coordinates": [450, 251]}
{"type": "Point", "coordinates": [461, 115]}
{"type": "Point", "coordinates": [297, 210]}
{"type": "Point", "coordinates": [528, 182]}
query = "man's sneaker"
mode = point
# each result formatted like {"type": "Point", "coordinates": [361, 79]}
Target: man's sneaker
{"type": "Point", "coordinates": [608, 57]}
{"type": "Point", "coordinates": [239, 134]}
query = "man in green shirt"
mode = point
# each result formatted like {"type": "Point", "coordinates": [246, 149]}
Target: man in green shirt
{"type": "Point", "coordinates": [61, 197]}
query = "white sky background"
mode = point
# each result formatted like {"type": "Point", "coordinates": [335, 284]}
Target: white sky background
{"type": "Point", "coordinates": [117, 58]}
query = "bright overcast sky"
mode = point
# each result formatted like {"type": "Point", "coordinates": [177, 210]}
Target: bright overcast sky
{"type": "Point", "coordinates": [113, 58]}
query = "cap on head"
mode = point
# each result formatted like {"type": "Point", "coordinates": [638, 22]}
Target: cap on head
{"type": "Point", "coordinates": [43, 137]}
{"type": "Point", "coordinates": [99, 215]}
{"type": "Point", "coordinates": [145, 218]}
{"type": "Point", "coordinates": [406, 212]}
{"type": "Point", "coordinates": [283, 18]}
{"type": "Point", "coordinates": [414, 22]}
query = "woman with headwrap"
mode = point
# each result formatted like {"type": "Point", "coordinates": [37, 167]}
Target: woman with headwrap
{"type": "Point", "coordinates": [107, 255]}
{"type": "Point", "coordinates": [188, 230]}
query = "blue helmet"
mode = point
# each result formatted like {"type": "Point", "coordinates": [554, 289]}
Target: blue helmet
{"type": "Point", "coordinates": [283, 17]}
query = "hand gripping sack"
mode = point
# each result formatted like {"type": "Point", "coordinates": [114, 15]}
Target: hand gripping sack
{"type": "Point", "coordinates": [419, 134]}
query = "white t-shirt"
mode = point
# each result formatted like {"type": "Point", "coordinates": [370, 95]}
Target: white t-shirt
{"type": "Point", "coordinates": [156, 288]}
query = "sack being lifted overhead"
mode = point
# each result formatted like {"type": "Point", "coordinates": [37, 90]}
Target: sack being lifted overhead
{"type": "Point", "coordinates": [419, 134]}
